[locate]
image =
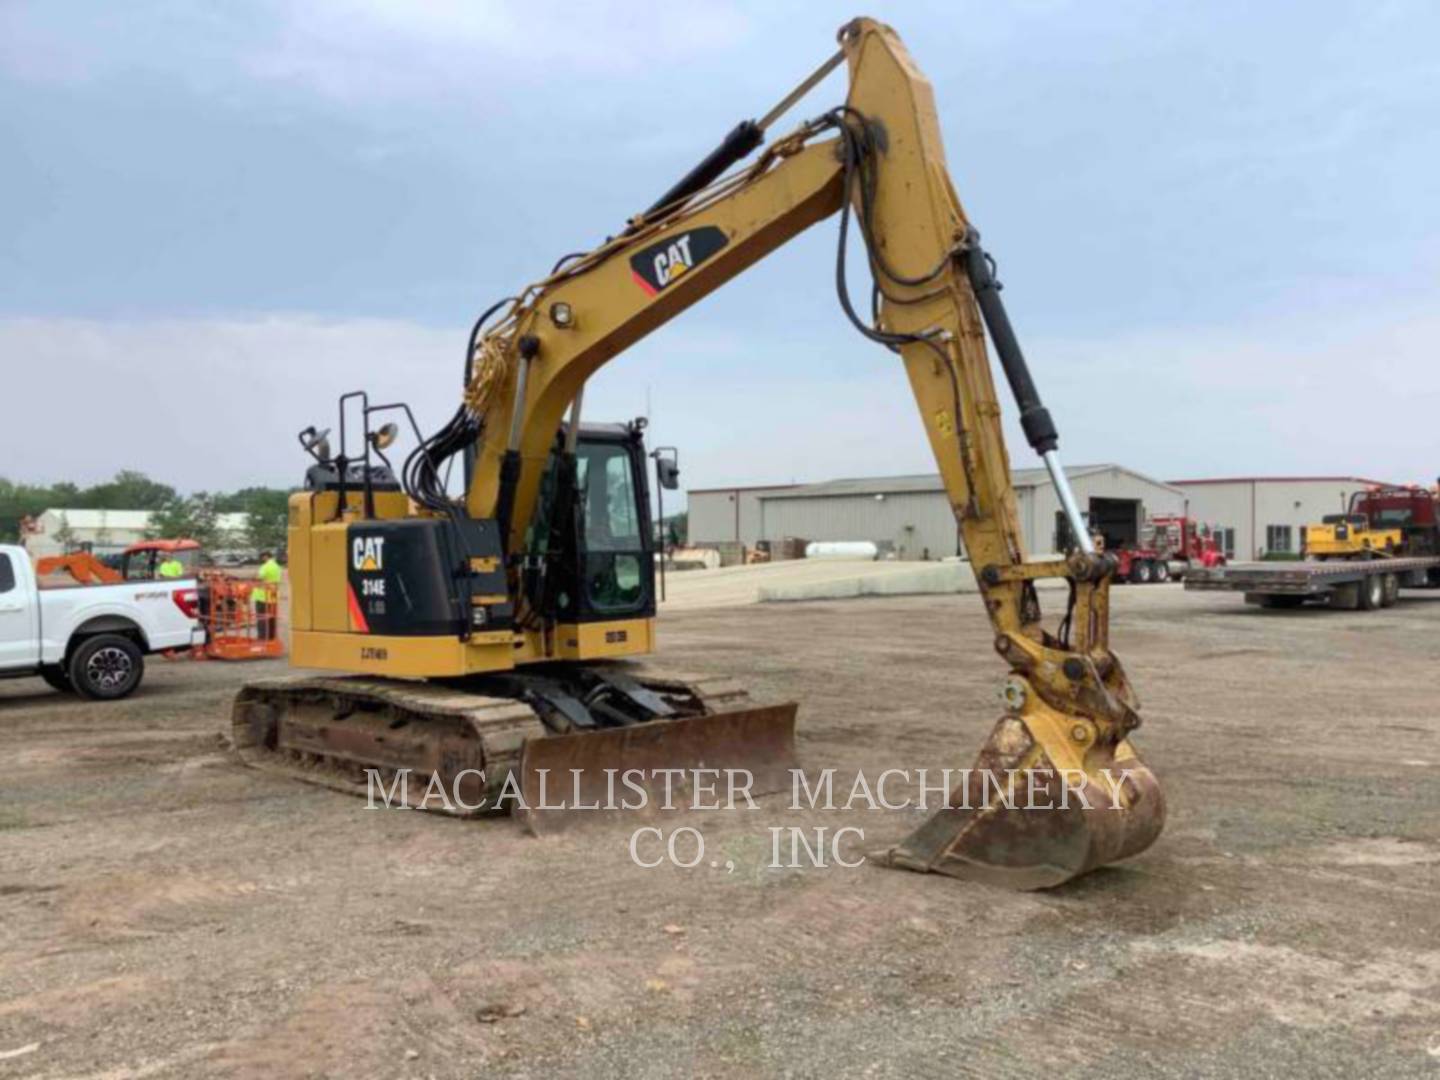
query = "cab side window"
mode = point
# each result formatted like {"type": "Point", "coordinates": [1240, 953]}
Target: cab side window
{"type": "Point", "coordinates": [7, 574]}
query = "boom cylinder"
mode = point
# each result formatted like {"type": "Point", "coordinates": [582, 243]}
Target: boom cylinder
{"type": "Point", "coordinates": [743, 138]}
{"type": "Point", "coordinates": [1035, 419]}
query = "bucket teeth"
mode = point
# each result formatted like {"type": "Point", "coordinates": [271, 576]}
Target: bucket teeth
{"type": "Point", "coordinates": [1035, 812]}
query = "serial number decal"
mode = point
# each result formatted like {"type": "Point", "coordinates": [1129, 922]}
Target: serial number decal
{"type": "Point", "coordinates": [613, 637]}
{"type": "Point", "coordinates": [372, 653]}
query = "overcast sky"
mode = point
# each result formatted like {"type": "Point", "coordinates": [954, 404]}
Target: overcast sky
{"type": "Point", "coordinates": [1217, 225]}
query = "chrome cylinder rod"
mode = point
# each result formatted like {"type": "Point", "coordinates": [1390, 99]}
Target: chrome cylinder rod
{"type": "Point", "coordinates": [1068, 504]}
{"type": "Point", "coordinates": [572, 429]}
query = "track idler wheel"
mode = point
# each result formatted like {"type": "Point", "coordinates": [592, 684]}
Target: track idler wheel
{"type": "Point", "coordinates": [1048, 799]}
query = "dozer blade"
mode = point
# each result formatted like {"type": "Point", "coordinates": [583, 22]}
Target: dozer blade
{"type": "Point", "coordinates": [657, 766]}
{"type": "Point", "coordinates": [1039, 807]}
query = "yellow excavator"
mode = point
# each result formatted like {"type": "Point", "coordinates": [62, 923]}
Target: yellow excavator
{"type": "Point", "coordinates": [483, 638]}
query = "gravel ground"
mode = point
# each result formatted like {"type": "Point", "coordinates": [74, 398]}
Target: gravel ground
{"type": "Point", "coordinates": [165, 913]}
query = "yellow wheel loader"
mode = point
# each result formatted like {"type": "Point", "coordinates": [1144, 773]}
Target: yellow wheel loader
{"type": "Point", "coordinates": [487, 639]}
{"type": "Point", "coordinates": [1359, 532]}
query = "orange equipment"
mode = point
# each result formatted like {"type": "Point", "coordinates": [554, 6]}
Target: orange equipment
{"type": "Point", "coordinates": [232, 629]}
{"type": "Point", "coordinates": [84, 567]}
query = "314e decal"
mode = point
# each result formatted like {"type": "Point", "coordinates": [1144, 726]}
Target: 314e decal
{"type": "Point", "coordinates": [667, 261]}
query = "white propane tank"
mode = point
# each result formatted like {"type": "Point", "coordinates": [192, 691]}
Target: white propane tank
{"type": "Point", "coordinates": [842, 549]}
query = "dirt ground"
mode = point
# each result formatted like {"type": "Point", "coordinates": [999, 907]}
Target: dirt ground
{"type": "Point", "coordinates": [167, 913]}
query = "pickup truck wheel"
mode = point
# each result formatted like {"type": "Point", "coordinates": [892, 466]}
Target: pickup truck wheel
{"type": "Point", "coordinates": [1372, 592]}
{"type": "Point", "coordinates": [55, 675]}
{"type": "Point", "coordinates": [106, 667]}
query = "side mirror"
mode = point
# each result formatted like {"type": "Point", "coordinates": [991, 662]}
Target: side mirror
{"type": "Point", "coordinates": [316, 443]}
{"type": "Point", "coordinates": [668, 472]}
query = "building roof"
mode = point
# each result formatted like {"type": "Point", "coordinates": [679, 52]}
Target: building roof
{"type": "Point", "coordinates": [1279, 480]}
{"type": "Point", "coordinates": [102, 519]}
{"type": "Point", "coordinates": [132, 520]}
{"type": "Point", "coordinates": [926, 482]}
{"type": "Point", "coordinates": [730, 489]}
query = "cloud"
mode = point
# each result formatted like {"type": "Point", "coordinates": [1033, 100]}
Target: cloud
{"type": "Point", "coordinates": [216, 403]}
{"type": "Point", "coordinates": [357, 49]}
{"type": "Point", "coordinates": [361, 51]}
{"type": "Point", "coordinates": [1344, 393]}
{"type": "Point", "coordinates": [205, 404]}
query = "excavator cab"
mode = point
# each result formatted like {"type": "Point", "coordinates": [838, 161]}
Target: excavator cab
{"type": "Point", "coordinates": [590, 545]}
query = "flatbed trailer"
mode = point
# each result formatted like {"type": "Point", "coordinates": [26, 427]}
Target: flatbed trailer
{"type": "Point", "coordinates": [1353, 584]}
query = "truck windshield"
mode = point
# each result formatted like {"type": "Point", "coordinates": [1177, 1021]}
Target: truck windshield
{"type": "Point", "coordinates": [1393, 517]}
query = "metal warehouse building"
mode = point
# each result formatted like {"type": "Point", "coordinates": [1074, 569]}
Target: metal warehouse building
{"type": "Point", "coordinates": [910, 515]}
{"type": "Point", "coordinates": [109, 532]}
{"type": "Point", "coordinates": [1261, 515]}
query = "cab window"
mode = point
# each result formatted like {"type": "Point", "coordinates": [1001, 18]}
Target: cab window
{"type": "Point", "coordinates": [612, 521]}
{"type": "Point", "coordinates": [1391, 517]}
{"type": "Point", "coordinates": [7, 574]}
{"type": "Point", "coordinates": [140, 566]}
{"type": "Point", "coordinates": [614, 547]}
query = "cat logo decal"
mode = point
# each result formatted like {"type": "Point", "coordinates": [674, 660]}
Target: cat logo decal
{"type": "Point", "coordinates": [669, 260]}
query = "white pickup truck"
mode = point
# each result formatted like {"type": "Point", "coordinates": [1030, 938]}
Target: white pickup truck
{"type": "Point", "coordinates": [90, 639]}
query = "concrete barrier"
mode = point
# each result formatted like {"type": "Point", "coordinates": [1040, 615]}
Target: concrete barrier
{"type": "Point", "coordinates": [915, 579]}
{"type": "Point", "coordinates": [818, 579]}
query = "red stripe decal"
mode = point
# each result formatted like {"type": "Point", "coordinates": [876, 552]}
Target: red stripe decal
{"type": "Point", "coordinates": [356, 615]}
{"type": "Point", "coordinates": [649, 289]}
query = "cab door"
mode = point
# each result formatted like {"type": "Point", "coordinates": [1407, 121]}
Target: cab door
{"type": "Point", "coordinates": [19, 633]}
{"type": "Point", "coordinates": [617, 563]}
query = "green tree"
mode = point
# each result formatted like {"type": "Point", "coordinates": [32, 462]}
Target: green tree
{"type": "Point", "coordinates": [267, 517]}
{"type": "Point", "coordinates": [129, 490]}
{"type": "Point", "coordinates": [21, 500]}
{"type": "Point", "coordinates": [65, 535]}
{"type": "Point", "coordinates": [677, 528]}
{"type": "Point", "coordinates": [186, 518]}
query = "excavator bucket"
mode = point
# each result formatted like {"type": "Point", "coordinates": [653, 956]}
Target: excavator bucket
{"type": "Point", "coordinates": [695, 762]}
{"type": "Point", "coordinates": [1045, 802]}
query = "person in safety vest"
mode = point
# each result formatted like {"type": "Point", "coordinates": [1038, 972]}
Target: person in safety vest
{"type": "Point", "coordinates": [266, 595]}
{"type": "Point", "coordinates": [170, 567]}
